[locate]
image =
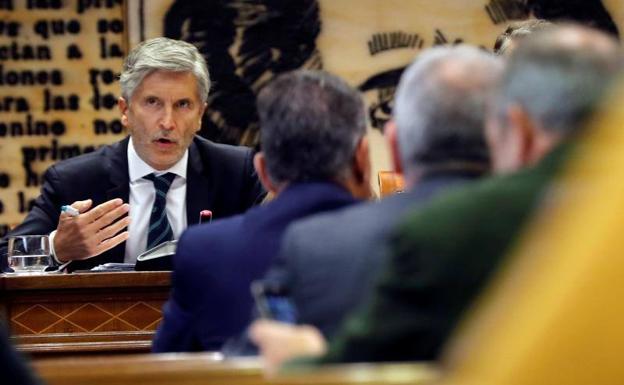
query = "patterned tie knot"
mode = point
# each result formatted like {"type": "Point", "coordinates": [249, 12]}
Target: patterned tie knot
{"type": "Point", "coordinates": [161, 182]}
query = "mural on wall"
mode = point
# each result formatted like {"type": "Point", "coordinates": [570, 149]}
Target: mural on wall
{"type": "Point", "coordinates": [383, 85]}
{"type": "Point", "coordinates": [59, 60]}
{"type": "Point", "coordinates": [246, 43]}
{"type": "Point", "coordinates": [589, 12]}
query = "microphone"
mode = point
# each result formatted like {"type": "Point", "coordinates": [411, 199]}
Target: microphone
{"type": "Point", "coordinates": [205, 216]}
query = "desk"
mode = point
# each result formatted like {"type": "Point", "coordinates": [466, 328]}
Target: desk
{"type": "Point", "coordinates": [64, 314]}
{"type": "Point", "coordinates": [206, 368]}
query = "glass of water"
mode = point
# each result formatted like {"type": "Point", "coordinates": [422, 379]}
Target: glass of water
{"type": "Point", "coordinates": [29, 253]}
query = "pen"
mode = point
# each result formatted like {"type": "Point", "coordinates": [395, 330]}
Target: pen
{"type": "Point", "coordinates": [69, 210]}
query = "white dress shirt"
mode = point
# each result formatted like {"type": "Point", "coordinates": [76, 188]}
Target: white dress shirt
{"type": "Point", "coordinates": [141, 200]}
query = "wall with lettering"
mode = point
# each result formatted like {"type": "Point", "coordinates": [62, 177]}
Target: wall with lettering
{"type": "Point", "coordinates": [59, 60]}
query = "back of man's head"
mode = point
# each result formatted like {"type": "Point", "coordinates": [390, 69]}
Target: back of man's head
{"type": "Point", "coordinates": [440, 108]}
{"type": "Point", "coordinates": [310, 125]}
{"type": "Point", "coordinates": [557, 76]}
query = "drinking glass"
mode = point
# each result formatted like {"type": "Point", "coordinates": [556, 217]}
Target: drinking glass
{"type": "Point", "coordinates": [29, 253]}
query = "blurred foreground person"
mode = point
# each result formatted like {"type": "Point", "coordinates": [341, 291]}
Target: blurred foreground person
{"type": "Point", "coordinates": [14, 370]}
{"type": "Point", "coordinates": [564, 280]}
{"type": "Point", "coordinates": [329, 262]}
{"type": "Point", "coordinates": [314, 158]}
{"type": "Point", "coordinates": [445, 253]}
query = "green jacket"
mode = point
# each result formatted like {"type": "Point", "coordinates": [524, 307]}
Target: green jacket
{"type": "Point", "coordinates": [442, 257]}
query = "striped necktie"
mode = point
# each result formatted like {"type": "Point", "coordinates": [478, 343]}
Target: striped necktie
{"type": "Point", "coordinates": [159, 228]}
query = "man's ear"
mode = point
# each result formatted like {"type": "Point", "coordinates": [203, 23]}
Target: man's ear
{"type": "Point", "coordinates": [361, 161]}
{"type": "Point", "coordinates": [359, 183]}
{"type": "Point", "coordinates": [123, 110]}
{"type": "Point", "coordinates": [523, 129]}
{"type": "Point", "coordinates": [261, 169]}
{"type": "Point", "coordinates": [390, 133]}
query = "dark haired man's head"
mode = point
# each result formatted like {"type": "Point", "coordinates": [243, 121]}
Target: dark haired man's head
{"type": "Point", "coordinates": [552, 84]}
{"type": "Point", "coordinates": [440, 111]}
{"type": "Point", "coordinates": [312, 128]}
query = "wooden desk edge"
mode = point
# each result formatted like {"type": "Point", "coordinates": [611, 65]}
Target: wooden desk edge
{"type": "Point", "coordinates": [9, 282]}
{"type": "Point", "coordinates": [192, 368]}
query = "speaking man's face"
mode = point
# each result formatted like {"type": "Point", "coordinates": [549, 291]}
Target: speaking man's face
{"type": "Point", "coordinates": [162, 117]}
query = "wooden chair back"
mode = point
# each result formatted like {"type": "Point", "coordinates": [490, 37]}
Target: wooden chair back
{"type": "Point", "coordinates": [390, 183]}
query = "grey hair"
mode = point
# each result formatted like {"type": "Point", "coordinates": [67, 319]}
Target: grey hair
{"type": "Point", "coordinates": [163, 54]}
{"type": "Point", "coordinates": [310, 125]}
{"type": "Point", "coordinates": [440, 106]}
{"type": "Point", "coordinates": [558, 76]}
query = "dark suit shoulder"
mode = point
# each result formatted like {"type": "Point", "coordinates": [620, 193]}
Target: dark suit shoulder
{"type": "Point", "coordinates": [496, 200]}
{"type": "Point", "coordinates": [91, 165]}
{"type": "Point", "coordinates": [232, 167]}
{"type": "Point", "coordinates": [231, 156]}
{"type": "Point", "coordinates": [199, 242]}
{"type": "Point", "coordinates": [353, 221]}
{"type": "Point", "coordinates": [487, 198]}
{"type": "Point", "coordinates": [470, 229]}
{"type": "Point", "coordinates": [378, 217]}
{"type": "Point", "coordinates": [205, 252]}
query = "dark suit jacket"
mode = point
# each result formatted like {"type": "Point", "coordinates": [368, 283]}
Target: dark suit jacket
{"type": "Point", "coordinates": [329, 262]}
{"type": "Point", "coordinates": [442, 257]}
{"type": "Point", "coordinates": [220, 178]}
{"type": "Point", "coordinates": [215, 264]}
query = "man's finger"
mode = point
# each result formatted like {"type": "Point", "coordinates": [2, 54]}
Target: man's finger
{"type": "Point", "coordinates": [112, 242]}
{"type": "Point", "coordinates": [101, 209]}
{"type": "Point", "coordinates": [82, 206]}
{"type": "Point", "coordinates": [111, 216]}
{"type": "Point", "coordinates": [113, 229]}
{"type": "Point", "coordinates": [65, 216]}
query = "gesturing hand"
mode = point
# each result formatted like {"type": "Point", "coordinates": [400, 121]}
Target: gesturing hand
{"type": "Point", "coordinates": [93, 231]}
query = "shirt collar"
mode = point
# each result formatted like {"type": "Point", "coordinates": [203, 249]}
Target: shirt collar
{"type": "Point", "coordinates": [137, 168]}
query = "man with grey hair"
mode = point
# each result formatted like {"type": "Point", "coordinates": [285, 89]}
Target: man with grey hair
{"type": "Point", "coordinates": [147, 188]}
{"type": "Point", "coordinates": [444, 254]}
{"type": "Point", "coordinates": [314, 158]}
{"type": "Point", "coordinates": [328, 262]}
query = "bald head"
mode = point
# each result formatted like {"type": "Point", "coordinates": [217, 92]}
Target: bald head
{"type": "Point", "coordinates": [440, 105]}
